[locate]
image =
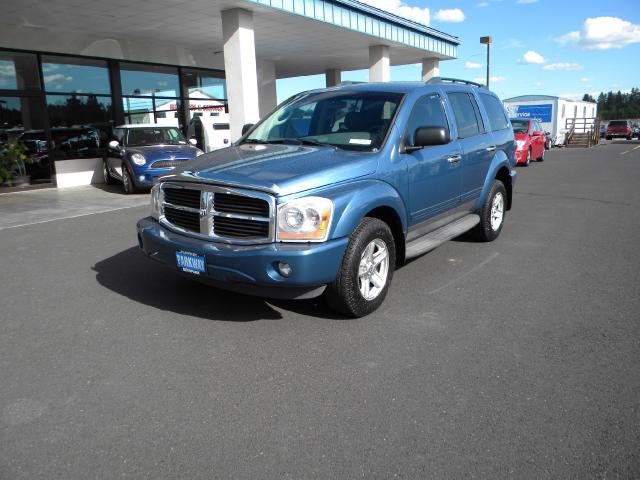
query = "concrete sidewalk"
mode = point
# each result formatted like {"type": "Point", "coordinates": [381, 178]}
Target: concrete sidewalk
{"type": "Point", "coordinates": [45, 205]}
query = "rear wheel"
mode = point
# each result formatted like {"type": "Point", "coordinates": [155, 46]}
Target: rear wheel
{"type": "Point", "coordinates": [108, 179]}
{"type": "Point", "coordinates": [366, 271]}
{"type": "Point", "coordinates": [492, 213]}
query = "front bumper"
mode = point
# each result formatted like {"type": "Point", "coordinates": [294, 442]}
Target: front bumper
{"type": "Point", "coordinates": [251, 269]}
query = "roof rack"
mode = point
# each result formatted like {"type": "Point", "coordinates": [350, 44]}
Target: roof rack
{"type": "Point", "coordinates": [452, 80]}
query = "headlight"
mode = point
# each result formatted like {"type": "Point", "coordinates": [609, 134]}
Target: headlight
{"type": "Point", "coordinates": [520, 144]}
{"type": "Point", "coordinates": [305, 219]}
{"type": "Point", "coordinates": [138, 159]}
{"type": "Point", "coordinates": [156, 201]}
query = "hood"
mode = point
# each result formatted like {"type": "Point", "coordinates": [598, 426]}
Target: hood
{"type": "Point", "coordinates": [279, 169]}
{"type": "Point", "coordinates": [153, 153]}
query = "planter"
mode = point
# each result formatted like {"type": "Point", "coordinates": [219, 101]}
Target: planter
{"type": "Point", "coordinates": [21, 180]}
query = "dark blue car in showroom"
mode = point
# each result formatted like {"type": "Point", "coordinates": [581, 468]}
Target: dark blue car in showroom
{"type": "Point", "coordinates": [139, 154]}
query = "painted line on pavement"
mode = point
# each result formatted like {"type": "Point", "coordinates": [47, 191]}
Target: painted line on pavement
{"type": "Point", "coordinates": [68, 217]}
{"type": "Point", "coordinates": [466, 274]}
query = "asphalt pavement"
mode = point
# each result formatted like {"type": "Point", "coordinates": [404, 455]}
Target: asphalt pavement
{"type": "Point", "coordinates": [518, 358]}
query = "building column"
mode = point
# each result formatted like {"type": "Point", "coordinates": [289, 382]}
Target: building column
{"type": "Point", "coordinates": [240, 69]}
{"type": "Point", "coordinates": [379, 69]}
{"type": "Point", "coordinates": [333, 77]}
{"type": "Point", "coordinates": [267, 87]}
{"type": "Point", "coordinates": [430, 68]}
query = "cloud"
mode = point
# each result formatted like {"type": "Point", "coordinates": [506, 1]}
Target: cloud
{"type": "Point", "coordinates": [482, 4]}
{"type": "Point", "coordinates": [398, 7]}
{"type": "Point", "coordinates": [526, 2]}
{"type": "Point", "coordinates": [569, 67]}
{"type": "Point", "coordinates": [585, 79]}
{"type": "Point", "coordinates": [602, 33]}
{"type": "Point", "coordinates": [483, 80]}
{"type": "Point", "coordinates": [532, 57]}
{"type": "Point", "coordinates": [58, 78]}
{"type": "Point", "coordinates": [472, 65]}
{"type": "Point", "coordinates": [451, 15]}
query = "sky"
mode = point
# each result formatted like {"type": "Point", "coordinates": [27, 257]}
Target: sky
{"type": "Point", "coordinates": [563, 48]}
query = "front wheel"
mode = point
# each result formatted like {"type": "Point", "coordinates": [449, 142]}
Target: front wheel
{"type": "Point", "coordinates": [492, 213]}
{"type": "Point", "coordinates": [366, 271]}
{"type": "Point", "coordinates": [527, 160]}
{"type": "Point", "coordinates": [127, 181]}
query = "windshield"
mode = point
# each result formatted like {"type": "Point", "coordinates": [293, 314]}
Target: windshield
{"type": "Point", "coordinates": [140, 136]}
{"type": "Point", "coordinates": [353, 120]}
{"type": "Point", "coordinates": [618, 123]}
{"type": "Point", "coordinates": [520, 126]}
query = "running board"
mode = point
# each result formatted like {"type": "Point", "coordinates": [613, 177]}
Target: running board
{"type": "Point", "coordinates": [432, 240]}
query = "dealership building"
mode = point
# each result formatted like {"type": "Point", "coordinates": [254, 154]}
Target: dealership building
{"type": "Point", "coordinates": [71, 70]}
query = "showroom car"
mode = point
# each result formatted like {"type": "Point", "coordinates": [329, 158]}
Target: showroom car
{"type": "Point", "coordinates": [140, 154]}
{"type": "Point", "coordinates": [530, 140]}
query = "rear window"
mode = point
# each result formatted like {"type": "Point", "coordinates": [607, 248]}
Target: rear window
{"type": "Point", "coordinates": [497, 116]}
{"type": "Point", "coordinates": [618, 123]}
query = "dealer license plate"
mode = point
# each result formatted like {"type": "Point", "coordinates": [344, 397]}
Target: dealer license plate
{"type": "Point", "coordinates": [191, 262]}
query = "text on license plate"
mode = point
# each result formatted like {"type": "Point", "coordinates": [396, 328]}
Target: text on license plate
{"type": "Point", "coordinates": [190, 262]}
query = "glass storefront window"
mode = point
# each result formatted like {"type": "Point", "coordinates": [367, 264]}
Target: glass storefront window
{"type": "Point", "coordinates": [22, 122]}
{"type": "Point", "coordinates": [147, 80]}
{"type": "Point", "coordinates": [159, 111]}
{"type": "Point", "coordinates": [80, 124]}
{"type": "Point", "coordinates": [198, 82]}
{"type": "Point", "coordinates": [71, 75]}
{"type": "Point", "coordinates": [19, 71]}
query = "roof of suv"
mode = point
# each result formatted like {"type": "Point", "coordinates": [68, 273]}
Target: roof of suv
{"type": "Point", "coordinates": [404, 87]}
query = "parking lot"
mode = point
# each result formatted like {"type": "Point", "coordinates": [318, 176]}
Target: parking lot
{"type": "Point", "coordinates": [513, 359]}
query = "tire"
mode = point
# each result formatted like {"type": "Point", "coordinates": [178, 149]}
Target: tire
{"type": "Point", "coordinates": [108, 179]}
{"type": "Point", "coordinates": [366, 271]}
{"type": "Point", "coordinates": [127, 182]}
{"type": "Point", "coordinates": [492, 213]}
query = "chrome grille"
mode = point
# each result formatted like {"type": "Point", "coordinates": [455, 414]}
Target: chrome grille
{"type": "Point", "coordinates": [218, 213]}
{"type": "Point", "coordinates": [167, 163]}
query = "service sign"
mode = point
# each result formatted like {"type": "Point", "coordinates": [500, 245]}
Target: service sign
{"type": "Point", "coordinates": [542, 113]}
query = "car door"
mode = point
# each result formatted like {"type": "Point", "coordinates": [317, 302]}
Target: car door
{"type": "Point", "coordinates": [434, 171]}
{"type": "Point", "coordinates": [476, 143]}
{"type": "Point", "coordinates": [538, 140]}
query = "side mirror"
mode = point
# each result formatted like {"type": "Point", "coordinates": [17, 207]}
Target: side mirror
{"type": "Point", "coordinates": [114, 144]}
{"type": "Point", "coordinates": [246, 127]}
{"type": "Point", "coordinates": [428, 136]}
{"type": "Point", "coordinates": [537, 133]}
{"type": "Point", "coordinates": [193, 142]}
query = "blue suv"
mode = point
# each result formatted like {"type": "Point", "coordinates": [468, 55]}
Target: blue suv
{"type": "Point", "coordinates": [337, 187]}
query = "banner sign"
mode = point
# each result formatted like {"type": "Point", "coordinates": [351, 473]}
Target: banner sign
{"type": "Point", "coordinates": [542, 113]}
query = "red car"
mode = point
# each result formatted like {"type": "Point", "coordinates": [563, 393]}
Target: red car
{"type": "Point", "coordinates": [619, 128]}
{"type": "Point", "coordinates": [530, 140]}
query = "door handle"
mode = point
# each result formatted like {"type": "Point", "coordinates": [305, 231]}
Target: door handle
{"type": "Point", "coordinates": [454, 159]}
{"type": "Point", "coordinates": [492, 148]}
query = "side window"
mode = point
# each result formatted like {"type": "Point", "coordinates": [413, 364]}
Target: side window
{"type": "Point", "coordinates": [467, 114]}
{"type": "Point", "coordinates": [497, 117]}
{"type": "Point", "coordinates": [427, 112]}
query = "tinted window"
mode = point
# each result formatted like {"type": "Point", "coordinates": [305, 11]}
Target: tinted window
{"type": "Point", "coordinates": [73, 75]}
{"type": "Point", "coordinates": [427, 112]}
{"type": "Point", "coordinates": [19, 71]}
{"type": "Point", "coordinates": [497, 117]}
{"type": "Point", "coordinates": [149, 80]}
{"type": "Point", "coordinates": [467, 115]}
{"type": "Point", "coordinates": [618, 123]}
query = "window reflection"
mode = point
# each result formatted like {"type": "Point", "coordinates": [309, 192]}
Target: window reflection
{"type": "Point", "coordinates": [69, 75]}
{"type": "Point", "coordinates": [19, 71]}
{"type": "Point", "coordinates": [144, 80]}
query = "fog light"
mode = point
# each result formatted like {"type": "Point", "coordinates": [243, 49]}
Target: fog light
{"type": "Point", "coordinates": [284, 269]}
{"type": "Point", "coordinates": [141, 178]}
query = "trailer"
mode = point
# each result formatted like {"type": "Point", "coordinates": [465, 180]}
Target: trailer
{"type": "Point", "coordinates": [556, 114]}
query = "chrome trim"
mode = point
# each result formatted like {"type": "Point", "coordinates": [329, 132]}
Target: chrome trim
{"type": "Point", "coordinates": [208, 213]}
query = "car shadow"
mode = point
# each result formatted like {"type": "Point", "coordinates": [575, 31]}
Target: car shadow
{"type": "Point", "coordinates": [131, 274]}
